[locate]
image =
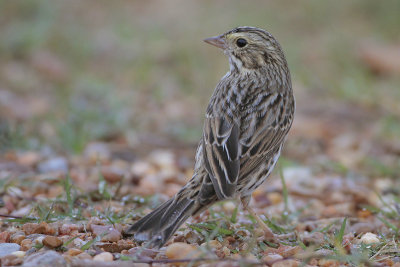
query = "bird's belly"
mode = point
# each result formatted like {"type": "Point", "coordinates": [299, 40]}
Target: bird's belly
{"type": "Point", "coordinates": [248, 184]}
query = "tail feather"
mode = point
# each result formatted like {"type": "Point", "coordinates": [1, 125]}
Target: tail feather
{"type": "Point", "coordinates": [160, 224]}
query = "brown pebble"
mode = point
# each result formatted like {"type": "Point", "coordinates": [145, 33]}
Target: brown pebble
{"type": "Point", "coordinates": [112, 174]}
{"type": "Point", "coordinates": [107, 232]}
{"type": "Point", "coordinates": [74, 251]}
{"type": "Point", "coordinates": [17, 238]}
{"type": "Point", "coordinates": [11, 260]}
{"type": "Point", "coordinates": [286, 263]}
{"type": "Point", "coordinates": [26, 244]}
{"type": "Point", "coordinates": [179, 250]}
{"type": "Point", "coordinates": [52, 241]}
{"type": "Point", "coordinates": [5, 237]}
{"type": "Point", "coordinates": [41, 228]}
{"type": "Point", "coordinates": [328, 263]}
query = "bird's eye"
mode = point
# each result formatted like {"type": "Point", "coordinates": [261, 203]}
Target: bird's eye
{"type": "Point", "coordinates": [241, 42]}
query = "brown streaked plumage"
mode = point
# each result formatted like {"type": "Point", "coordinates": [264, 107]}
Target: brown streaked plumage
{"type": "Point", "coordinates": [246, 123]}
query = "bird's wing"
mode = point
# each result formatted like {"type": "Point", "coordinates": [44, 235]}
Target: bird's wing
{"type": "Point", "coordinates": [264, 132]}
{"type": "Point", "coordinates": [221, 155]}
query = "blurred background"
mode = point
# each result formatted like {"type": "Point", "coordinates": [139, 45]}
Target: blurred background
{"type": "Point", "coordinates": [137, 72]}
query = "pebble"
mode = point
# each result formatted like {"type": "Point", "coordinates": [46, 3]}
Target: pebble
{"type": "Point", "coordinates": [162, 158]}
{"type": "Point", "coordinates": [57, 164]}
{"type": "Point", "coordinates": [48, 258]}
{"type": "Point", "coordinates": [180, 250]}
{"type": "Point", "coordinates": [26, 244]}
{"type": "Point", "coordinates": [142, 253]}
{"type": "Point", "coordinates": [17, 238]}
{"type": "Point", "coordinates": [229, 206]}
{"type": "Point", "coordinates": [275, 198]}
{"type": "Point", "coordinates": [11, 260]}
{"type": "Point", "coordinates": [84, 256]}
{"type": "Point", "coordinates": [96, 152]}
{"type": "Point", "coordinates": [286, 263]}
{"type": "Point", "coordinates": [19, 253]}
{"type": "Point", "coordinates": [215, 244]}
{"type": "Point", "coordinates": [316, 238]}
{"type": "Point", "coordinates": [112, 174]}
{"type": "Point", "coordinates": [66, 229]}
{"type": "Point", "coordinates": [271, 258]}
{"type": "Point", "coordinates": [28, 158]}
{"type": "Point", "coordinates": [104, 256]}
{"type": "Point", "coordinates": [52, 241]}
{"type": "Point", "coordinates": [328, 263]}
{"type": "Point", "coordinates": [5, 237]}
{"type": "Point", "coordinates": [74, 251]}
{"type": "Point", "coordinates": [35, 228]}
{"type": "Point", "coordinates": [141, 168]}
{"type": "Point", "coordinates": [369, 238]}
{"type": "Point", "coordinates": [111, 234]}
{"type": "Point", "coordinates": [363, 227]}
{"type": "Point", "coordinates": [8, 248]}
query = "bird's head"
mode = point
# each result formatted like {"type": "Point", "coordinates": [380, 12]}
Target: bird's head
{"type": "Point", "coordinates": [250, 48]}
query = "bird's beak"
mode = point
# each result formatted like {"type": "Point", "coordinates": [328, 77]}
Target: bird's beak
{"type": "Point", "coordinates": [218, 41]}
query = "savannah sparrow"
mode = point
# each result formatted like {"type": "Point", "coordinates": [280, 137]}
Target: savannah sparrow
{"type": "Point", "coordinates": [246, 123]}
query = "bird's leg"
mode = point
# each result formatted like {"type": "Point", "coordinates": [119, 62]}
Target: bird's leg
{"type": "Point", "coordinates": [267, 231]}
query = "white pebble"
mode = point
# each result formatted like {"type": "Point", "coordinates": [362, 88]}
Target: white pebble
{"type": "Point", "coordinates": [19, 254]}
{"type": "Point", "coordinates": [369, 238]}
{"type": "Point", "coordinates": [104, 256]}
{"type": "Point", "coordinates": [229, 206]}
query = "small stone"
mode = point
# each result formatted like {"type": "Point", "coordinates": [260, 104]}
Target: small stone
{"type": "Point", "coordinates": [162, 158]}
{"type": "Point", "coordinates": [52, 241]}
{"type": "Point", "coordinates": [19, 253]}
{"type": "Point", "coordinates": [104, 256]}
{"type": "Point", "coordinates": [39, 240]}
{"type": "Point", "coordinates": [369, 238]}
{"type": "Point", "coordinates": [286, 263]}
{"type": "Point", "coordinates": [328, 263]}
{"type": "Point", "coordinates": [141, 168]}
{"type": "Point", "coordinates": [84, 256]}
{"type": "Point", "coordinates": [271, 258]}
{"type": "Point", "coordinates": [26, 244]}
{"type": "Point", "coordinates": [143, 253]}
{"type": "Point", "coordinates": [28, 158]}
{"type": "Point", "coordinates": [226, 251]}
{"type": "Point", "coordinates": [215, 244]}
{"type": "Point", "coordinates": [17, 238]}
{"type": "Point", "coordinates": [108, 232]}
{"type": "Point", "coordinates": [66, 229]}
{"type": "Point", "coordinates": [5, 237]}
{"type": "Point", "coordinates": [11, 260]}
{"type": "Point", "coordinates": [229, 207]}
{"type": "Point", "coordinates": [58, 164]}
{"type": "Point", "coordinates": [275, 198]}
{"type": "Point", "coordinates": [74, 251]}
{"type": "Point", "coordinates": [48, 258]}
{"type": "Point", "coordinates": [363, 227]}
{"type": "Point", "coordinates": [312, 238]}
{"type": "Point", "coordinates": [181, 250]}
{"type": "Point", "coordinates": [8, 248]}
{"type": "Point", "coordinates": [97, 152]}
{"type": "Point", "coordinates": [112, 174]}
{"type": "Point", "coordinates": [34, 228]}
{"type": "Point", "coordinates": [116, 247]}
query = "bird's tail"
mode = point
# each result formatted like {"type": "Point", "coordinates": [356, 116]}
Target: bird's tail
{"type": "Point", "coordinates": [160, 224]}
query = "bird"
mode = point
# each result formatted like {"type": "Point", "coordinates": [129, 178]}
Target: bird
{"type": "Point", "coordinates": [246, 124]}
